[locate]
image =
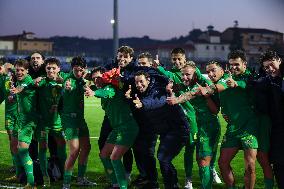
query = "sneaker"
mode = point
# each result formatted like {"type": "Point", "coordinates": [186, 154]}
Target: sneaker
{"type": "Point", "coordinates": [66, 186]}
{"type": "Point", "coordinates": [13, 179]}
{"type": "Point", "coordinates": [216, 178]}
{"type": "Point", "coordinates": [83, 181]}
{"type": "Point", "coordinates": [140, 180]}
{"type": "Point", "coordinates": [28, 186]}
{"type": "Point", "coordinates": [188, 183]}
{"type": "Point", "coordinates": [46, 181]}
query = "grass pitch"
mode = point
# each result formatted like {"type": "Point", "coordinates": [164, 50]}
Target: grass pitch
{"type": "Point", "coordinates": [95, 172]}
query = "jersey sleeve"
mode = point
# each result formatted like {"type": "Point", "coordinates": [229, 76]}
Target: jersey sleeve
{"type": "Point", "coordinates": [106, 92]}
{"type": "Point", "coordinates": [166, 73]}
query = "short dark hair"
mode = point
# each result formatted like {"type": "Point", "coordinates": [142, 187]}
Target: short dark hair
{"type": "Point", "coordinates": [146, 55]}
{"type": "Point", "coordinates": [214, 62]}
{"type": "Point", "coordinates": [141, 72]}
{"type": "Point", "coordinates": [98, 69]}
{"type": "Point", "coordinates": [237, 54]}
{"type": "Point", "coordinates": [2, 61]}
{"type": "Point", "coordinates": [42, 56]}
{"type": "Point", "coordinates": [126, 50]}
{"type": "Point", "coordinates": [52, 60]}
{"type": "Point", "coordinates": [78, 61]}
{"type": "Point", "coordinates": [22, 63]}
{"type": "Point", "coordinates": [178, 50]}
{"type": "Point", "coordinates": [269, 55]}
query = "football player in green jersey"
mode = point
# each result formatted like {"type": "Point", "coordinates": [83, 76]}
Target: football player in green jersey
{"type": "Point", "coordinates": [75, 127]}
{"type": "Point", "coordinates": [50, 92]}
{"type": "Point", "coordinates": [26, 103]}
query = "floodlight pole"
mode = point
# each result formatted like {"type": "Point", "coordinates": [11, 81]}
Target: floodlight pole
{"type": "Point", "coordinates": [115, 27]}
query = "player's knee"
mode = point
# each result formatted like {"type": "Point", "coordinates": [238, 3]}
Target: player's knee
{"type": "Point", "coordinates": [250, 166]}
{"type": "Point", "coordinates": [115, 156]}
{"type": "Point", "coordinates": [74, 153]}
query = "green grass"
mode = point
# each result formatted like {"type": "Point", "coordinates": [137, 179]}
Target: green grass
{"type": "Point", "coordinates": [94, 115]}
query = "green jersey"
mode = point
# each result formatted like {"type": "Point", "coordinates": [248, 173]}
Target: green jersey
{"type": "Point", "coordinates": [73, 100]}
{"type": "Point", "coordinates": [50, 93]}
{"type": "Point", "coordinates": [176, 76]}
{"type": "Point", "coordinates": [235, 102]}
{"type": "Point", "coordinates": [113, 103]}
{"type": "Point", "coordinates": [26, 99]}
{"type": "Point", "coordinates": [10, 100]}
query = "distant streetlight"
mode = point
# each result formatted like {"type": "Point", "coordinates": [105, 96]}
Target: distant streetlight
{"type": "Point", "coordinates": [114, 23]}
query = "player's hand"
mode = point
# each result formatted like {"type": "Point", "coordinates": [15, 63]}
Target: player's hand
{"type": "Point", "coordinates": [68, 86]}
{"type": "Point", "coordinates": [137, 102]}
{"type": "Point", "coordinates": [203, 91]}
{"type": "Point", "coordinates": [59, 79]}
{"type": "Point", "coordinates": [169, 88]}
{"type": "Point", "coordinates": [37, 81]}
{"type": "Point", "coordinates": [89, 92]}
{"type": "Point", "coordinates": [156, 62]}
{"type": "Point", "coordinates": [231, 82]}
{"type": "Point", "coordinates": [172, 100]}
{"type": "Point", "coordinates": [128, 93]}
{"type": "Point", "coordinates": [16, 90]}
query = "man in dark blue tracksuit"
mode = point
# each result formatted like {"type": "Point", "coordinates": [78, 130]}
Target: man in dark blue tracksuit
{"type": "Point", "coordinates": [155, 116]}
{"type": "Point", "coordinates": [271, 89]}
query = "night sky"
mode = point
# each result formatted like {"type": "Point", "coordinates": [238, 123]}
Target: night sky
{"type": "Point", "coordinates": [159, 19]}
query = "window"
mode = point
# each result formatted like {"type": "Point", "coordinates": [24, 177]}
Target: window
{"type": "Point", "coordinates": [223, 48]}
{"type": "Point", "coordinates": [252, 37]}
{"type": "Point", "coordinates": [215, 48]}
{"type": "Point", "coordinates": [207, 47]}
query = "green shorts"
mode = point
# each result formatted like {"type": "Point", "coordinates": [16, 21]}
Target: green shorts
{"type": "Point", "coordinates": [124, 134]}
{"type": "Point", "coordinates": [241, 141]}
{"type": "Point", "coordinates": [263, 134]}
{"type": "Point", "coordinates": [74, 128]}
{"type": "Point", "coordinates": [41, 133]}
{"type": "Point", "coordinates": [26, 131]}
{"type": "Point", "coordinates": [10, 122]}
{"type": "Point", "coordinates": [208, 137]}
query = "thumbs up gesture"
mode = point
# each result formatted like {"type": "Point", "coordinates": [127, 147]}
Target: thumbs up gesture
{"type": "Point", "coordinates": [156, 61]}
{"type": "Point", "coordinates": [128, 93]}
{"type": "Point", "coordinates": [169, 88]}
{"type": "Point", "coordinates": [203, 90]}
{"type": "Point", "coordinates": [137, 102]}
{"type": "Point", "coordinates": [68, 86]}
{"type": "Point", "coordinates": [88, 91]}
{"type": "Point", "coordinates": [230, 81]}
